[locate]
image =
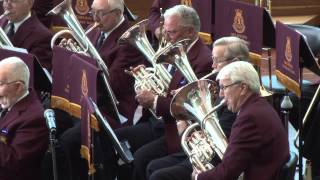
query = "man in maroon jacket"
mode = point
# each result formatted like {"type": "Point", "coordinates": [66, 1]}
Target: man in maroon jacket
{"type": "Point", "coordinates": [118, 58]}
{"type": "Point", "coordinates": [258, 144]}
{"type": "Point", "coordinates": [26, 31]}
{"type": "Point", "coordinates": [180, 22]}
{"type": "Point", "coordinates": [23, 133]}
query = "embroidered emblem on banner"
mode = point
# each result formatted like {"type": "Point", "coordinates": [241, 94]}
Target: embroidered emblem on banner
{"type": "Point", "coordinates": [84, 83]}
{"type": "Point", "coordinates": [187, 2]}
{"type": "Point", "coordinates": [288, 50]}
{"type": "Point", "coordinates": [82, 7]}
{"type": "Point", "coordinates": [238, 22]}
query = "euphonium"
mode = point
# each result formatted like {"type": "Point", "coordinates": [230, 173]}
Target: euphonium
{"type": "Point", "coordinates": [136, 36]}
{"type": "Point", "coordinates": [194, 101]}
{"type": "Point", "coordinates": [145, 79]}
{"type": "Point", "coordinates": [4, 40]}
{"type": "Point", "coordinates": [175, 54]}
{"type": "Point", "coordinates": [64, 9]}
{"type": "Point", "coordinates": [69, 43]}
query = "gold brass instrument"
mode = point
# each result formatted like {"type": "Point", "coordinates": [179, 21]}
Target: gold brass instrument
{"type": "Point", "coordinates": [68, 42]}
{"type": "Point", "coordinates": [194, 101]}
{"type": "Point", "coordinates": [64, 9]}
{"type": "Point", "coordinates": [136, 36]}
{"type": "Point", "coordinates": [4, 40]}
{"type": "Point", "coordinates": [158, 78]}
{"type": "Point", "coordinates": [175, 54]}
{"type": "Point", "coordinates": [146, 80]}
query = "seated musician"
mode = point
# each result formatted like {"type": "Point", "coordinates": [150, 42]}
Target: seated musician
{"type": "Point", "coordinates": [112, 24]}
{"type": "Point", "coordinates": [26, 31]}
{"type": "Point", "coordinates": [23, 132]}
{"type": "Point", "coordinates": [202, 7]}
{"type": "Point", "coordinates": [258, 144]}
{"type": "Point", "coordinates": [177, 166]}
{"type": "Point", "coordinates": [147, 138]}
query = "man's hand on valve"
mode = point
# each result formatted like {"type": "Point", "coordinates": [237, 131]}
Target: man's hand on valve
{"type": "Point", "coordinates": [145, 98]}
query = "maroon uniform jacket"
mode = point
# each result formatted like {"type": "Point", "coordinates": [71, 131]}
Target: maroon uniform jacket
{"type": "Point", "coordinates": [35, 37]}
{"type": "Point", "coordinates": [23, 140]}
{"type": "Point", "coordinates": [258, 145]}
{"type": "Point", "coordinates": [199, 57]}
{"type": "Point", "coordinates": [119, 58]}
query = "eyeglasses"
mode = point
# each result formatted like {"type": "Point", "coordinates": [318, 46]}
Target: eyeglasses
{"type": "Point", "coordinates": [225, 87]}
{"type": "Point", "coordinates": [9, 83]}
{"type": "Point", "coordinates": [100, 13]}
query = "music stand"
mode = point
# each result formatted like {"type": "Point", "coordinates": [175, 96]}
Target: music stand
{"type": "Point", "coordinates": [289, 67]}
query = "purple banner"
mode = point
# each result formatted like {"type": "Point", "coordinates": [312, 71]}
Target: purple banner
{"type": "Point", "coordinates": [240, 19]}
{"type": "Point", "coordinates": [83, 79]}
{"type": "Point", "coordinates": [288, 57]}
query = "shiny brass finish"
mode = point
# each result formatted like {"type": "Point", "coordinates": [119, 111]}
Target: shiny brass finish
{"type": "Point", "coordinates": [195, 102]}
{"type": "Point", "coordinates": [64, 9]}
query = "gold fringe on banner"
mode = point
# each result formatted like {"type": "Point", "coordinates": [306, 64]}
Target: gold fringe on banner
{"type": "Point", "coordinates": [205, 37]}
{"type": "Point", "coordinates": [85, 154]}
{"type": "Point", "coordinates": [289, 83]}
{"type": "Point", "coordinates": [186, 2]}
{"type": "Point", "coordinates": [255, 59]}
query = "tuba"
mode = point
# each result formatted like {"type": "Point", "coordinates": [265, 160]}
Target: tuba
{"type": "Point", "coordinates": [64, 9]}
{"type": "Point", "coordinates": [194, 101]}
{"type": "Point", "coordinates": [4, 40]}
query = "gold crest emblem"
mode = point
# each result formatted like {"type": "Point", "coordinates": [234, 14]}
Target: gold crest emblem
{"type": "Point", "coordinates": [82, 7]}
{"type": "Point", "coordinates": [288, 50]}
{"type": "Point", "coordinates": [186, 2]}
{"type": "Point", "coordinates": [238, 22]}
{"type": "Point", "coordinates": [84, 83]}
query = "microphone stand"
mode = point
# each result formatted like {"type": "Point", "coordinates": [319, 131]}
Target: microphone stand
{"type": "Point", "coordinates": [52, 138]}
{"type": "Point", "coordinates": [286, 105]}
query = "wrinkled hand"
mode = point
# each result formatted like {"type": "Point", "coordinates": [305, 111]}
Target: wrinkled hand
{"type": "Point", "coordinates": [181, 126]}
{"type": "Point", "coordinates": [145, 98]}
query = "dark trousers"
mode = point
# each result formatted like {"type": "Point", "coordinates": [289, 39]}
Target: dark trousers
{"type": "Point", "coordinates": [172, 167]}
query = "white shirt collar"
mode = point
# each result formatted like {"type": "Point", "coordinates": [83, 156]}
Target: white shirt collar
{"type": "Point", "coordinates": [106, 34]}
{"type": "Point", "coordinates": [18, 24]}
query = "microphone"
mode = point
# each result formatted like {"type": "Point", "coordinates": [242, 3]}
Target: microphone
{"type": "Point", "coordinates": [50, 119]}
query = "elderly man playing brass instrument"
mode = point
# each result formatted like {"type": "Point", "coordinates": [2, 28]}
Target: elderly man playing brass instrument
{"type": "Point", "coordinates": [108, 15]}
{"type": "Point", "coordinates": [177, 166]}
{"type": "Point", "coordinates": [180, 22]}
{"type": "Point", "coordinates": [258, 144]}
{"type": "Point", "coordinates": [26, 31]}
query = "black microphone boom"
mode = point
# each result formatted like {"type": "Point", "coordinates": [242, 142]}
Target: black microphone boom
{"type": "Point", "coordinates": [50, 119]}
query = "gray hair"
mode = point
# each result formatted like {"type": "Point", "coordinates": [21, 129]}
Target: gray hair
{"type": "Point", "coordinates": [188, 16]}
{"type": "Point", "coordinates": [19, 70]}
{"type": "Point", "coordinates": [235, 47]}
{"type": "Point", "coordinates": [241, 71]}
{"type": "Point", "coordinates": [116, 4]}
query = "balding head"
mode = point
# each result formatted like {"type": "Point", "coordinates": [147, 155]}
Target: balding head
{"type": "Point", "coordinates": [14, 69]}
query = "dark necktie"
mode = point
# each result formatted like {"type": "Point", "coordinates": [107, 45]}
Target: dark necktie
{"type": "Point", "coordinates": [3, 113]}
{"type": "Point", "coordinates": [11, 30]}
{"type": "Point", "coordinates": [100, 40]}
